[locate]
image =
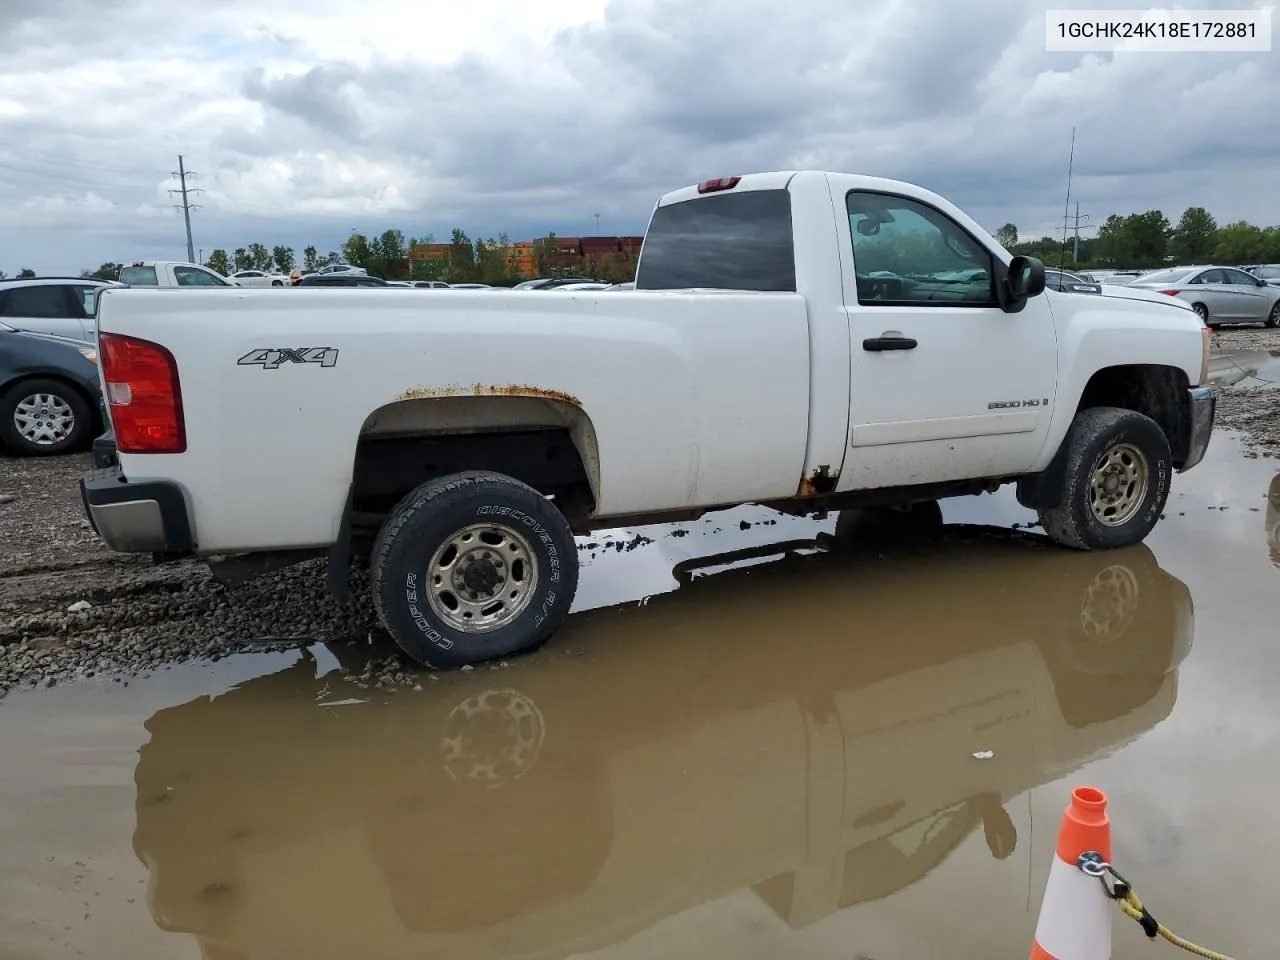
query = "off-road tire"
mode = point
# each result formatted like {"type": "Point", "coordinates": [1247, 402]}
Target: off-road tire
{"type": "Point", "coordinates": [1073, 523]}
{"type": "Point", "coordinates": [426, 519]}
{"type": "Point", "coordinates": [80, 435]}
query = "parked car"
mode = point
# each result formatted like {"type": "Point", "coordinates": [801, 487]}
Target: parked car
{"type": "Point", "coordinates": [50, 397]}
{"type": "Point", "coordinates": [556, 282]}
{"type": "Point", "coordinates": [471, 286]}
{"type": "Point", "coordinates": [171, 273]}
{"type": "Point", "coordinates": [259, 278]}
{"type": "Point", "coordinates": [582, 286]}
{"type": "Point", "coordinates": [1269, 272]}
{"type": "Point", "coordinates": [431, 284]}
{"type": "Point", "coordinates": [60, 306]}
{"type": "Point", "coordinates": [1069, 282]}
{"type": "Point", "coordinates": [340, 280]}
{"type": "Point", "coordinates": [460, 447]}
{"type": "Point", "coordinates": [1218, 294]}
{"type": "Point", "coordinates": [342, 268]}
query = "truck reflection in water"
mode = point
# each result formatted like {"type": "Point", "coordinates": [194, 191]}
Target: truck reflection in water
{"type": "Point", "coordinates": [1273, 520]}
{"type": "Point", "coordinates": [823, 729]}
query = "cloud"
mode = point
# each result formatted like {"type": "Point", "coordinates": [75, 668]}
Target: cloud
{"type": "Point", "coordinates": [306, 118]}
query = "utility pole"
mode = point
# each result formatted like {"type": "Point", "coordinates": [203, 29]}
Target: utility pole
{"type": "Point", "coordinates": [597, 224]}
{"type": "Point", "coordinates": [1075, 229]}
{"type": "Point", "coordinates": [186, 206]}
{"type": "Point", "coordinates": [1071, 160]}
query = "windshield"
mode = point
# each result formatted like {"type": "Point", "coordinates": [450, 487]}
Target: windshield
{"type": "Point", "coordinates": [139, 276]}
{"type": "Point", "coordinates": [1164, 276]}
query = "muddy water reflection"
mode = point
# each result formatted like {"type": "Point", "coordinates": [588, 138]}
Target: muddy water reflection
{"type": "Point", "coordinates": [1273, 519]}
{"type": "Point", "coordinates": [823, 730]}
{"type": "Point", "coordinates": [1245, 368]}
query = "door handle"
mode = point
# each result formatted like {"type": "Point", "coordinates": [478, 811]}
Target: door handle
{"type": "Point", "coordinates": [889, 343]}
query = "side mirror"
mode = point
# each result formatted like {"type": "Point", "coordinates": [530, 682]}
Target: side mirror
{"type": "Point", "coordinates": [1260, 281]}
{"type": "Point", "coordinates": [868, 228]}
{"type": "Point", "coordinates": [1025, 279]}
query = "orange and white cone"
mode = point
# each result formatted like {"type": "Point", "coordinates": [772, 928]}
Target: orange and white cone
{"type": "Point", "coordinates": [1075, 915]}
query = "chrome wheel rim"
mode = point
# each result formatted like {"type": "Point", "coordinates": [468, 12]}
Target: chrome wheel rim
{"type": "Point", "coordinates": [44, 419]}
{"type": "Point", "coordinates": [1110, 604]}
{"type": "Point", "coordinates": [481, 578]}
{"type": "Point", "coordinates": [1118, 484]}
{"type": "Point", "coordinates": [492, 738]}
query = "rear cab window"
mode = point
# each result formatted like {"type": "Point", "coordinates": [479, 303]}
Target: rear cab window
{"type": "Point", "coordinates": [139, 276]}
{"type": "Point", "coordinates": [725, 241]}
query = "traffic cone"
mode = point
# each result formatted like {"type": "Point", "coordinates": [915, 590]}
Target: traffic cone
{"type": "Point", "coordinates": [1075, 915]}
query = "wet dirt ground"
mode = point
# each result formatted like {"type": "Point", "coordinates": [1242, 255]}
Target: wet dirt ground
{"type": "Point", "coordinates": [753, 740]}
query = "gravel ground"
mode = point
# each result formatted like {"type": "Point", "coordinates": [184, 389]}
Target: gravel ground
{"type": "Point", "coordinates": [1231, 339]}
{"type": "Point", "coordinates": [70, 608]}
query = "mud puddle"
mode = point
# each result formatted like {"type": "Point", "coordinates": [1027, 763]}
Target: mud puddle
{"type": "Point", "coordinates": [1246, 369]}
{"type": "Point", "coordinates": [751, 742]}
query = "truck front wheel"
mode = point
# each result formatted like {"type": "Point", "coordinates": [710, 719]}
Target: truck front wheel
{"type": "Point", "coordinates": [1115, 483]}
{"type": "Point", "coordinates": [473, 567]}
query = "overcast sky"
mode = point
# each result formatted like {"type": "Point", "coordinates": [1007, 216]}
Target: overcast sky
{"type": "Point", "coordinates": [306, 118]}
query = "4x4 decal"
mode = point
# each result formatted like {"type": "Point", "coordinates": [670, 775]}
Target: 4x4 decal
{"type": "Point", "coordinates": [270, 358]}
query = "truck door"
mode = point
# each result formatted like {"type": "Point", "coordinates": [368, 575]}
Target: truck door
{"type": "Point", "coordinates": [944, 384]}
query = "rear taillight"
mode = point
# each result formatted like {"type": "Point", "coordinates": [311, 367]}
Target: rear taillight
{"type": "Point", "coordinates": [720, 183]}
{"type": "Point", "coordinates": [1171, 293]}
{"type": "Point", "coordinates": [143, 394]}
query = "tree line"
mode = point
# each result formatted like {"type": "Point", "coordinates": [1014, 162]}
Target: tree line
{"type": "Point", "coordinates": [387, 256]}
{"type": "Point", "coordinates": [1136, 241]}
{"type": "Point", "coordinates": [1145, 240]}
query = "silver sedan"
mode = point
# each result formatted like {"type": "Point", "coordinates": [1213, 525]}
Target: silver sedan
{"type": "Point", "coordinates": [1218, 294]}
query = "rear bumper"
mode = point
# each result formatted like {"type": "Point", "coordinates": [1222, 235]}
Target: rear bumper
{"type": "Point", "coordinates": [104, 449]}
{"type": "Point", "coordinates": [1203, 404]}
{"type": "Point", "coordinates": [144, 517]}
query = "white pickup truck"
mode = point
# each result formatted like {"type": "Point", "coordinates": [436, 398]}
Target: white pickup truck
{"type": "Point", "coordinates": [807, 341]}
{"type": "Point", "coordinates": [169, 274]}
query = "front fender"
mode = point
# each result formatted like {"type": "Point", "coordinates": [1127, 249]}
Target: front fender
{"type": "Point", "coordinates": [1095, 335]}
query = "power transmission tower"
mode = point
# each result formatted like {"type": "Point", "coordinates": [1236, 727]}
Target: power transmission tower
{"type": "Point", "coordinates": [186, 206]}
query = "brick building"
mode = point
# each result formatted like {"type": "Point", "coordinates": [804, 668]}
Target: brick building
{"type": "Point", "coordinates": [582, 253]}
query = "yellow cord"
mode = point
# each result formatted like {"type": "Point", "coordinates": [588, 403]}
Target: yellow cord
{"type": "Point", "coordinates": [1134, 909]}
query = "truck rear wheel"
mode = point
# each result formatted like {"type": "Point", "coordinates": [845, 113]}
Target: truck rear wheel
{"type": "Point", "coordinates": [472, 567]}
{"type": "Point", "coordinates": [1116, 481]}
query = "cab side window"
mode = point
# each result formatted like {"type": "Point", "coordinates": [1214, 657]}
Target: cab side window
{"type": "Point", "coordinates": [191, 277]}
{"type": "Point", "coordinates": [907, 253]}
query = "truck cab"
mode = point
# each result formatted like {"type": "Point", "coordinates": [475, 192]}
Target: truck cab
{"type": "Point", "coordinates": [171, 273]}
